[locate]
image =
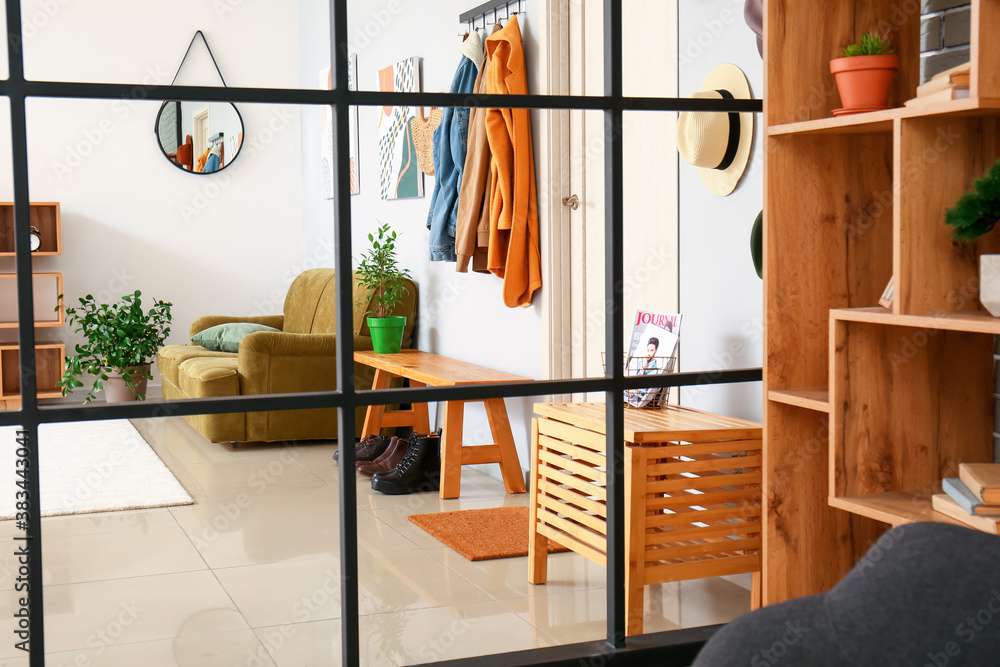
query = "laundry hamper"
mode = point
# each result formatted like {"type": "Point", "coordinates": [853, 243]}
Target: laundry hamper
{"type": "Point", "coordinates": [692, 494]}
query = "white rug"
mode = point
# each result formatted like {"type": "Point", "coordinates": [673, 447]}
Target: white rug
{"type": "Point", "coordinates": [98, 466]}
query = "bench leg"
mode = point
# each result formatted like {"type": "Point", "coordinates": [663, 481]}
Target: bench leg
{"type": "Point", "coordinates": [373, 418]}
{"type": "Point", "coordinates": [755, 590]}
{"type": "Point", "coordinates": [510, 466]}
{"type": "Point", "coordinates": [451, 449]}
{"type": "Point", "coordinates": [421, 420]}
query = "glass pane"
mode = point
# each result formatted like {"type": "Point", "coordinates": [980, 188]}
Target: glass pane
{"type": "Point", "coordinates": [214, 556]}
{"type": "Point", "coordinates": [143, 43]}
{"type": "Point", "coordinates": [4, 64]}
{"type": "Point", "coordinates": [649, 49]}
{"type": "Point", "coordinates": [721, 296]}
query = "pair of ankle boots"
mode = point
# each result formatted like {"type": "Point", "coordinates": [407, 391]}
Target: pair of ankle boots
{"type": "Point", "coordinates": [399, 466]}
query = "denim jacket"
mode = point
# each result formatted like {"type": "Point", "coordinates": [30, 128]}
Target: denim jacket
{"type": "Point", "coordinates": [450, 146]}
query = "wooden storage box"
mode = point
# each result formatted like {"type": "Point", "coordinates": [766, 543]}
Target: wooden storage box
{"type": "Point", "coordinates": [693, 494]}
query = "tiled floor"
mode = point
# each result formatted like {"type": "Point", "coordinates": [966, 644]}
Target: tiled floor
{"type": "Point", "coordinates": [248, 576]}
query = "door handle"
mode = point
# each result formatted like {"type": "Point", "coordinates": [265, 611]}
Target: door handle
{"type": "Point", "coordinates": [572, 201]}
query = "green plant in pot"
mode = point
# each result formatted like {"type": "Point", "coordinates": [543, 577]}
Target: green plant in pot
{"type": "Point", "coordinates": [974, 214]}
{"type": "Point", "coordinates": [864, 74]}
{"type": "Point", "coordinates": [122, 340]}
{"type": "Point", "coordinates": [379, 272]}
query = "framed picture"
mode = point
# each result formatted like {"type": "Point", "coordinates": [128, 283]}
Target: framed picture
{"type": "Point", "coordinates": [399, 174]}
{"type": "Point", "coordinates": [326, 135]}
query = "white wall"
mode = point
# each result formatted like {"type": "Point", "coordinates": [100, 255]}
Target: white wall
{"type": "Point", "coordinates": [721, 296]}
{"type": "Point", "coordinates": [218, 244]}
{"type": "Point", "coordinates": [460, 315]}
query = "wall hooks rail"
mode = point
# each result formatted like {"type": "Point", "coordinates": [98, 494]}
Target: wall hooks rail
{"type": "Point", "coordinates": [475, 19]}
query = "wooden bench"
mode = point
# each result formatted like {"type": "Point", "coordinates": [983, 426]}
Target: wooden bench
{"type": "Point", "coordinates": [692, 495]}
{"type": "Point", "coordinates": [427, 369]}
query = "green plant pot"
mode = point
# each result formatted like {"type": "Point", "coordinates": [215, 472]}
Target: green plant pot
{"type": "Point", "coordinates": [387, 333]}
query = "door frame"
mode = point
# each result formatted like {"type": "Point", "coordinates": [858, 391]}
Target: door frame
{"type": "Point", "coordinates": [553, 180]}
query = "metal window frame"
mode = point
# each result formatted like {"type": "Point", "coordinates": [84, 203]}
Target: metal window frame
{"type": "Point", "coordinates": [671, 648]}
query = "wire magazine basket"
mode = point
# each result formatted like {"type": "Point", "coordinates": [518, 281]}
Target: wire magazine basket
{"type": "Point", "coordinates": [652, 397]}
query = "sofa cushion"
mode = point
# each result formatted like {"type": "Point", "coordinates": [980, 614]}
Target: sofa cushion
{"type": "Point", "coordinates": [170, 357]}
{"type": "Point", "coordinates": [227, 337]}
{"type": "Point", "coordinates": [210, 376]}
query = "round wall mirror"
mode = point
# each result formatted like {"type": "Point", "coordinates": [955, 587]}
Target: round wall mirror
{"type": "Point", "coordinates": [199, 137]}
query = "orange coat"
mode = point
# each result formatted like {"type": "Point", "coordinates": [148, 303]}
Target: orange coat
{"type": "Point", "coordinates": [513, 250]}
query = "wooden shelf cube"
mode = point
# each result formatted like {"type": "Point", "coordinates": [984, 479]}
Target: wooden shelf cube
{"type": "Point", "coordinates": [908, 405]}
{"type": "Point", "coordinates": [44, 216]}
{"type": "Point", "coordinates": [50, 359]}
{"type": "Point", "coordinates": [47, 288]}
{"type": "Point", "coordinates": [934, 273]}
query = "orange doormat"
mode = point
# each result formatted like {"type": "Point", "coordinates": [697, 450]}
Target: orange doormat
{"type": "Point", "coordinates": [500, 532]}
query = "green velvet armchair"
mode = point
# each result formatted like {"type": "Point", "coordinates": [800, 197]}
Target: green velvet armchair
{"type": "Point", "coordinates": [301, 357]}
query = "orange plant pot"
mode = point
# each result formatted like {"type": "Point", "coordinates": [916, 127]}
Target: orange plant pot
{"type": "Point", "coordinates": [864, 82]}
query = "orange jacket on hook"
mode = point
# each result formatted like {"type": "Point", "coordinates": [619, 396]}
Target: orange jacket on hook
{"type": "Point", "coordinates": [513, 251]}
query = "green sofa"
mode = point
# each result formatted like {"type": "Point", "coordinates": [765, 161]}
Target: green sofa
{"type": "Point", "coordinates": [299, 358]}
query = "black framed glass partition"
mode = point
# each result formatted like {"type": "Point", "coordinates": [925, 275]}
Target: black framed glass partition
{"type": "Point", "coordinates": [669, 648]}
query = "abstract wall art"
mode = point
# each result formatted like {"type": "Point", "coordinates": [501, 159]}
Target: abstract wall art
{"type": "Point", "coordinates": [399, 174]}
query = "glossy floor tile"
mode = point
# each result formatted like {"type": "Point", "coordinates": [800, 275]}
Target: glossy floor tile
{"type": "Point", "coordinates": [250, 574]}
{"type": "Point", "coordinates": [154, 548]}
{"type": "Point", "coordinates": [415, 636]}
{"type": "Point", "coordinates": [193, 649]}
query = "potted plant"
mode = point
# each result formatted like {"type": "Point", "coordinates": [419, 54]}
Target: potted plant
{"type": "Point", "coordinates": [974, 214]}
{"type": "Point", "coordinates": [379, 272]}
{"type": "Point", "coordinates": [864, 73]}
{"type": "Point", "coordinates": [122, 340]}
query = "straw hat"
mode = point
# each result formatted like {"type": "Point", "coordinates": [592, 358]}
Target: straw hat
{"type": "Point", "coordinates": [718, 143]}
{"type": "Point", "coordinates": [423, 138]}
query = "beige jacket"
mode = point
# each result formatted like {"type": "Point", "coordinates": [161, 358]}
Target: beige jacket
{"type": "Point", "coordinates": [472, 227]}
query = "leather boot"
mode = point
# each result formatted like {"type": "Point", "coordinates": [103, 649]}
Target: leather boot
{"type": "Point", "coordinates": [388, 460]}
{"type": "Point", "coordinates": [370, 448]}
{"type": "Point", "coordinates": [419, 470]}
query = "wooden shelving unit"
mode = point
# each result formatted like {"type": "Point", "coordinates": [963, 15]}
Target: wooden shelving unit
{"type": "Point", "coordinates": [867, 408]}
{"type": "Point", "coordinates": [49, 355]}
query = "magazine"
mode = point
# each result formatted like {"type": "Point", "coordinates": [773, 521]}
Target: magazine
{"type": "Point", "coordinates": [652, 350]}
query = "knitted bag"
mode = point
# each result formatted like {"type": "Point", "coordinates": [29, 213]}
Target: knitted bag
{"type": "Point", "coordinates": [423, 138]}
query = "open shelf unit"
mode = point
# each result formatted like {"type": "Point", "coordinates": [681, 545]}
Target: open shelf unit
{"type": "Point", "coordinates": [867, 408]}
{"type": "Point", "coordinates": [46, 287]}
{"type": "Point", "coordinates": [44, 217]}
{"type": "Point", "coordinates": [49, 359]}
